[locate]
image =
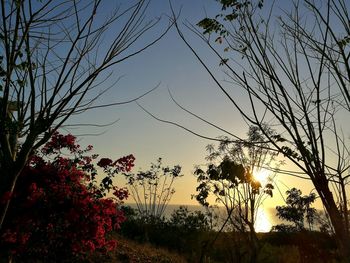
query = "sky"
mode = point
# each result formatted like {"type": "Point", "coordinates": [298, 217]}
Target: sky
{"type": "Point", "coordinates": [171, 65]}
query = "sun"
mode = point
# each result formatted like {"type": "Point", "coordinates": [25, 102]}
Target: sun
{"type": "Point", "coordinates": [262, 223]}
{"type": "Point", "coordinates": [262, 175]}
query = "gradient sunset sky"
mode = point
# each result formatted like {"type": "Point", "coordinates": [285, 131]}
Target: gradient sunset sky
{"type": "Point", "coordinates": [171, 64]}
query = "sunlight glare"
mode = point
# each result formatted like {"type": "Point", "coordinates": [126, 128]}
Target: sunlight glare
{"type": "Point", "coordinates": [262, 223]}
{"type": "Point", "coordinates": [262, 176]}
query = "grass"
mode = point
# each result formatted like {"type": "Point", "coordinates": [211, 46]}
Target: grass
{"type": "Point", "coordinates": [276, 248]}
{"type": "Point", "coordinates": [129, 251]}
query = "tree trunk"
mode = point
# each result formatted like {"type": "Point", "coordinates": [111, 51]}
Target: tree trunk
{"type": "Point", "coordinates": [8, 179]}
{"type": "Point", "coordinates": [11, 167]}
{"type": "Point", "coordinates": [253, 243]}
{"type": "Point", "coordinates": [341, 233]}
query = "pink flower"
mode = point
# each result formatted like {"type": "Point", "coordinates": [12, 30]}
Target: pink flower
{"type": "Point", "coordinates": [55, 201]}
{"type": "Point", "coordinates": [120, 193]}
{"type": "Point", "coordinates": [90, 245]}
{"type": "Point", "coordinates": [104, 162]}
{"type": "Point", "coordinates": [9, 237]}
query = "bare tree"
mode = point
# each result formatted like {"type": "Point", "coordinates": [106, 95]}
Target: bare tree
{"type": "Point", "coordinates": [294, 67]}
{"type": "Point", "coordinates": [54, 57]}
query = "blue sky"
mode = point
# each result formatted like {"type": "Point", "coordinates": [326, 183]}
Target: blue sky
{"type": "Point", "coordinates": [171, 64]}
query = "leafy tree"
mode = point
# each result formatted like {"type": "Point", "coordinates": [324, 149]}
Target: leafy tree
{"type": "Point", "coordinates": [153, 189]}
{"type": "Point", "coordinates": [189, 231]}
{"type": "Point", "coordinates": [53, 57]}
{"type": "Point", "coordinates": [59, 213]}
{"type": "Point", "coordinates": [297, 210]}
{"type": "Point", "coordinates": [189, 222]}
{"type": "Point", "coordinates": [293, 64]}
{"type": "Point", "coordinates": [230, 178]}
{"type": "Point", "coordinates": [183, 231]}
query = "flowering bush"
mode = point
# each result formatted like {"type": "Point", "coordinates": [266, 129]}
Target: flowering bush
{"type": "Point", "coordinates": [58, 212]}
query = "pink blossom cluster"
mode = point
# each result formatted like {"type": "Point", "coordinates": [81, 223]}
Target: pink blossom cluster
{"type": "Point", "coordinates": [55, 211]}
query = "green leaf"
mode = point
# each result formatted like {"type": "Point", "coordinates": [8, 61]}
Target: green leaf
{"type": "Point", "coordinates": [231, 17]}
{"type": "Point", "coordinates": [210, 25]}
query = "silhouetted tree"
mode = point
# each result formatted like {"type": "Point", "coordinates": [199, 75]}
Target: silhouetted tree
{"type": "Point", "coordinates": [54, 55]}
{"type": "Point", "coordinates": [297, 210]}
{"type": "Point", "coordinates": [153, 189]}
{"type": "Point", "coordinates": [230, 178]}
{"type": "Point", "coordinates": [294, 67]}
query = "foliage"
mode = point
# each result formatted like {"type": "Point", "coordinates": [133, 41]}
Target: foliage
{"type": "Point", "coordinates": [59, 213]}
{"type": "Point", "coordinates": [189, 221]}
{"type": "Point", "coordinates": [174, 233]}
{"type": "Point", "coordinates": [291, 61]}
{"type": "Point", "coordinates": [297, 210]}
{"type": "Point", "coordinates": [153, 189]}
{"type": "Point", "coordinates": [312, 246]}
{"type": "Point", "coordinates": [183, 231]}
{"type": "Point", "coordinates": [54, 56]}
{"type": "Point", "coordinates": [231, 9]}
{"type": "Point", "coordinates": [230, 177]}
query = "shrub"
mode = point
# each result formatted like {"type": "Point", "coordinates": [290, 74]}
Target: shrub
{"type": "Point", "coordinates": [184, 231]}
{"type": "Point", "coordinates": [58, 212]}
{"type": "Point", "coordinates": [153, 189]}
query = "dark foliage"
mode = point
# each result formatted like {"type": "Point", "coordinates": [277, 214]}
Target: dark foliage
{"type": "Point", "coordinates": [58, 212]}
{"type": "Point", "coordinates": [297, 210]}
{"type": "Point", "coordinates": [184, 231]}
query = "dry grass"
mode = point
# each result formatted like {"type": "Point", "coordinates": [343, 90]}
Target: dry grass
{"type": "Point", "coordinates": [129, 251]}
